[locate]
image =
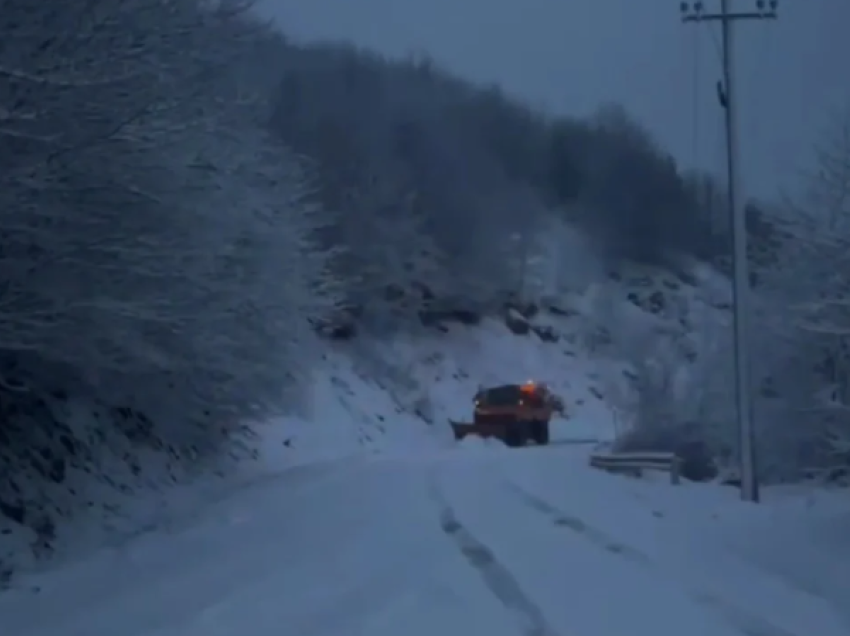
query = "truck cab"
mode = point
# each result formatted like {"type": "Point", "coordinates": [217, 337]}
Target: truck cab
{"type": "Point", "coordinates": [514, 413]}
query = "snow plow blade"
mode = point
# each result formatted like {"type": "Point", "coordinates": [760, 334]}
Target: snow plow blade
{"type": "Point", "coordinates": [462, 429]}
{"type": "Point", "coordinates": [481, 429]}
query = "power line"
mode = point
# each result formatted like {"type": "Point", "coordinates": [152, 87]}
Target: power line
{"type": "Point", "coordinates": [695, 97]}
{"type": "Point", "coordinates": [726, 93]}
{"type": "Point", "coordinates": [756, 120]}
{"type": "Point", "coordinates": [718, 47]}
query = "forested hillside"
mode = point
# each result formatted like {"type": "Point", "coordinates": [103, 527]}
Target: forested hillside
{"type": "Point", "coordinates": [191, 206]}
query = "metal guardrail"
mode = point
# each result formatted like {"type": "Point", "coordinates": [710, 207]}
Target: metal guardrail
{"type": "Point", "coordinates": [635, 463]}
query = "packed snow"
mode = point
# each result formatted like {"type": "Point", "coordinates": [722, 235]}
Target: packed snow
{"type": "Point", "coordinates": [474, 538]}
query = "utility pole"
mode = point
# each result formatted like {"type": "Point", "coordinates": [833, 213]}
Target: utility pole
{"type": "Point", "coordinates": [520, 240]}
{"type": "Point", "coordinates": [727, 94]}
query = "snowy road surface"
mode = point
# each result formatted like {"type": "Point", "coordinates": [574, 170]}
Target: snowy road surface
{"type": "Point", "coordinates": [527, 542]}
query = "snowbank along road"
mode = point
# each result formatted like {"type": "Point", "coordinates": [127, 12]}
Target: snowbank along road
{"type": "Point", "coordinates": [471, 540]}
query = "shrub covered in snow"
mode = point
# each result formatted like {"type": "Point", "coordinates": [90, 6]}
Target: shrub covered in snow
{"type": "Point", "coordinates": [798, 322]}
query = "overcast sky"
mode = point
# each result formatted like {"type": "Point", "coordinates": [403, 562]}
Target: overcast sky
{"type": "Point", "coordinates": [569, 56]}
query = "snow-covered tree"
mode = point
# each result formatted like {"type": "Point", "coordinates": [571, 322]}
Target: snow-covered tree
{"type": "Point", "coordinates": [806, 336]}
{"type": "Point", "coordinates": [155, 243]}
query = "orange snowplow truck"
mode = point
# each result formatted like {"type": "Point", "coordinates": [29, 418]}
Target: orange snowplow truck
{"type": "Point", "coordinates": [513, 413]}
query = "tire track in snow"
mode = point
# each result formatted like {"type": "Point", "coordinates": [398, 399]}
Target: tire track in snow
{"type": "Point", "coordinates": [569, 522]}
{"type": "Point", "coordinates": [496, 577]}
{"type": "Point", "coordinates": [745, 622]}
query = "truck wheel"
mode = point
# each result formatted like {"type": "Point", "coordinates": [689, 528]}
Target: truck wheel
{"type": "Point", "coordinates": [540, 433]}
{"type": "Point", "coordinates": [514, 437]}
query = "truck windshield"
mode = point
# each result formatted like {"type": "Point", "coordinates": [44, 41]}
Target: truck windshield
{"type": "Point", "coordinates": [507, 395]}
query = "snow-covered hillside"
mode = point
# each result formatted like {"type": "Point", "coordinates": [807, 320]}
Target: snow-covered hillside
{"type": "Point", "coordinates": [399, 392]}
{"type": "Point", "coordinates": [365, 517]}
{"type": "Point", "coordinates": [373, 396]}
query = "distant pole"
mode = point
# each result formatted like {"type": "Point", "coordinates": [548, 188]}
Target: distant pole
{"type": "Point", "coordinates": [523, 266]}
{"type": "Point", "coordinates": [727, 94]}
{"type": "Point", "coordinates": [521, 238]}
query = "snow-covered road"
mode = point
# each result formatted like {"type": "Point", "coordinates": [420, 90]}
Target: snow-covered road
{"type": "Point", "coordinates": [527, 542]}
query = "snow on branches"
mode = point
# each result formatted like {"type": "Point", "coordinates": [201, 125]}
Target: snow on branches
{"type": "Point", "coordinates": [154, 240]}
